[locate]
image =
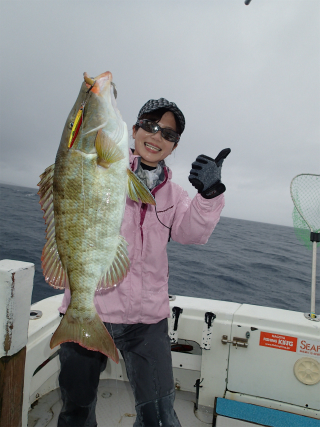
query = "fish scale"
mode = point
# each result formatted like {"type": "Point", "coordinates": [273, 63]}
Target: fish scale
{"type": "Point", "coordinates": [83, 197]}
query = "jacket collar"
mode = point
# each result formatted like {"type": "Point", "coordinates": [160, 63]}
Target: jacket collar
{"type": "Point", "coordinates": [135, 160]}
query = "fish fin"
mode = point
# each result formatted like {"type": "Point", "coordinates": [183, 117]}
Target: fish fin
{"type": "Point", "coordinates": [45, 182]}
{"type": "Point", "coordinates": [53, 270]}
{"type": "Point", "coordinates": [89, 333]}
{"type": "Point", "coordinates": [108, 151]}
{"type": "Point", "coordinates": [51, 264]}
{"type": "Point", "coordinates": [137, 190]}
{"type": "Point", "coordinates": [119, 267]}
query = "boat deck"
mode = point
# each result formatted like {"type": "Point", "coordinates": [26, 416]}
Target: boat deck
{"type": "Point", "coordinates": [115, 408]}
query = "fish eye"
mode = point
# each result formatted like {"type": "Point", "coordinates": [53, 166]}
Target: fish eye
{"type": "Point", "coordinates": [70, 125]}
{"type": "Point", "coordinates": [115, 93]}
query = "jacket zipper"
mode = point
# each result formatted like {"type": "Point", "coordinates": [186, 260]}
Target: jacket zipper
{"type": "Point", "coordinates": [144, 206]}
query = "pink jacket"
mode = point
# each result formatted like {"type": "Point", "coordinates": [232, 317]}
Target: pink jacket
{"type": "Point", "coordinates": [142, 297]}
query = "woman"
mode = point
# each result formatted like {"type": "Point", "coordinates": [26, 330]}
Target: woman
{"type": "Point", "coordinates": [136, 311]}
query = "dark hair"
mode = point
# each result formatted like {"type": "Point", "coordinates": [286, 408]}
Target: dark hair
{"type": "Point", "coordinates": [156, 115]}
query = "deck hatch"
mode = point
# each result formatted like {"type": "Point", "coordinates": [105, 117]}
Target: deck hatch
{"type": "Point", "coordinates": [260, 415]}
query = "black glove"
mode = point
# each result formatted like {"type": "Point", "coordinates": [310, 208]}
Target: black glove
{"type": "Point", "coordinates": [205, 174]}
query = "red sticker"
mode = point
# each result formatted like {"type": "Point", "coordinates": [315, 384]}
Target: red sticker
{"type": "Point", "coordinates": [282, 342]}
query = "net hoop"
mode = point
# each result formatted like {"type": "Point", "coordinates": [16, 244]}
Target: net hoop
{"type": "Point", "coordinates": [293, 199]}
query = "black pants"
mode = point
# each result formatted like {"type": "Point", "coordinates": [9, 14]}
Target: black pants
{"type": "Point", "coordinates": [147, 355]}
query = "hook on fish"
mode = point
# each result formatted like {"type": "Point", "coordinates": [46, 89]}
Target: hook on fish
{"type": "Point", "coordinates": [94, 82]}
{"type": "Point", "coordinates": [91, 82]}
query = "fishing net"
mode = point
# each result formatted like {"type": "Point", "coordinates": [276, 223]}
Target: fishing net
{"type": "Point", "coordinates": [305, 193]}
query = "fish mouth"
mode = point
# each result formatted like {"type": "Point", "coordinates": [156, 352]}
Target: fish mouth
{"type": "Point", "coordinates": [98, 110]}
{"type": "Point", "coordinates": [153, 147]}
{"type": "Point", "coordinates": [98, 84]}
{"type": "Point", "coordinates": [103, 87]}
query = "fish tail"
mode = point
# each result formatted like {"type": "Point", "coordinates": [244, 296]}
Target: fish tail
{"type": "Point", "coordinates": [91, 334]}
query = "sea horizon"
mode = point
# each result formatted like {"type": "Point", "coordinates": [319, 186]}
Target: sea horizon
{"type": "Point", "coordinates": [36, 189]}
{"type": "Point", "coordinates": [244, 261]}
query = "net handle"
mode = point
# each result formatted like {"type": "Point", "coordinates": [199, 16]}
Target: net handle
{"type": "Point", "coordinates": [313, 280]}
{"type": "Point", "coordinates": [312, 315]}
{"type": "Point", "coordinates": [294, 202]}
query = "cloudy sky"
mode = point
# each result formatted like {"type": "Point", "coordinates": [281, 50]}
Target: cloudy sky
{"type": "Point", "coordinates": [246, 77]}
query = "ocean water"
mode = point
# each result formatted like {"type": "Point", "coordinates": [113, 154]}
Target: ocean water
{"type": "Point", "coordinates": [243, 261]}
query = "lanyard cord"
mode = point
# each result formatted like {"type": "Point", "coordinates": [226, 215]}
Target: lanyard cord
{"type": "Point", "coordinates": [169, 228]}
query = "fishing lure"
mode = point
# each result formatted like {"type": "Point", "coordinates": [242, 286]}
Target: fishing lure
{"type": "Point", "coordinates": [76, 126]}
{"type": "Point", "coordinates": [78, 120]}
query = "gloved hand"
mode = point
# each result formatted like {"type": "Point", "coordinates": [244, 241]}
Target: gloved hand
{"type": "Point", "coordinates": [205, 174]}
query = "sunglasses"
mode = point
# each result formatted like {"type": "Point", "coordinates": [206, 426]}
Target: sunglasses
{"type": "Point", "coordinates": [153, 127]}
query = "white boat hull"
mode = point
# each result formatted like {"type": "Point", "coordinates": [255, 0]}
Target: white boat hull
{"type": "Point", "coordinates": [261, 373]}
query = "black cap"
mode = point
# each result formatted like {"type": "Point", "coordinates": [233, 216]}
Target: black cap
{"type": "Point", "coordinates": [155, 104]}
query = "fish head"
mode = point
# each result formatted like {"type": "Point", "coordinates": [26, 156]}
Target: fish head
{"type": "Point", "coordinates": [94, 109]}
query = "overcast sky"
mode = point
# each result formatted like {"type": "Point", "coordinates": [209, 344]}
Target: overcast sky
{"type": "Point", "coordinates": [245, 77]}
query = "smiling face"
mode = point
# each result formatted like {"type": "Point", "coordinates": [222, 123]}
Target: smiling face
{"type": "Point", "coordinates": [152, 147]}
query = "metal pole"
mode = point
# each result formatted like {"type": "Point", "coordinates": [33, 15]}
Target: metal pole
{"type": "Point", "coordinates": [313, 280]}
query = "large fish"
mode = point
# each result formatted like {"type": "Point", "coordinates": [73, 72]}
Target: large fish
{"type": "Point", "coordinates": [83, 197]}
